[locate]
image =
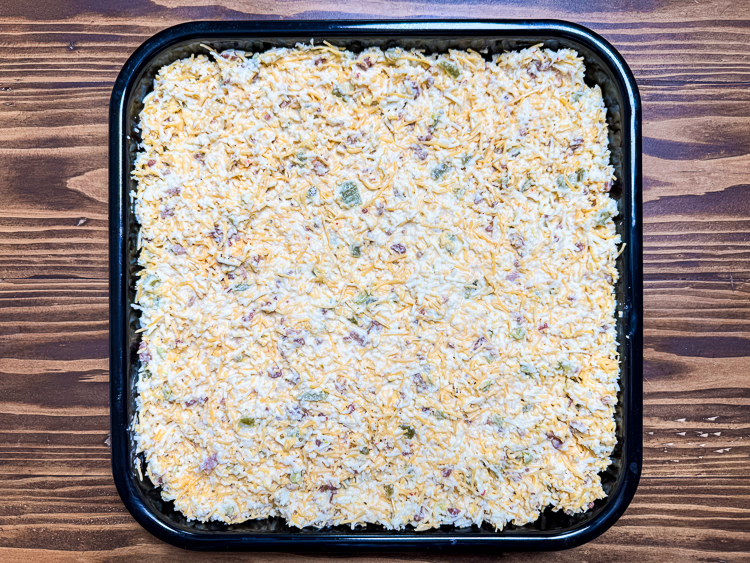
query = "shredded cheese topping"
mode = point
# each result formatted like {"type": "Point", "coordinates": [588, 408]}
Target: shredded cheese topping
{"type": "Point", "coordinates": [376, 287]}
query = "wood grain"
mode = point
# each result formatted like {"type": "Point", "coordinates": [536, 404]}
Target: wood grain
{"type": "Point", "coordinates": [60, 59]}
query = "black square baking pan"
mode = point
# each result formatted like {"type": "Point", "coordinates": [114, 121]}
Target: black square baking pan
{"type": "Point", "coordinates": [553, 530]}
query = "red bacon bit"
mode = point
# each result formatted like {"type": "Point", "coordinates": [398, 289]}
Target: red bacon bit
{"type": "Point", "coordinates": [267, 116]}
{"type": "Point", "coordinates": [556, 442]}
{"type": "Point", "coordinates": [329, 488]}
{"type": "Point", "coordinates": [151, 162]}
{"type": "Point", "coordinates": [576, 143]}
{"type": "Point", "coordinates": [166, 213]}
{"type": "Point", "coordinates": [543, 326]}
{"type": "Point", "coordinates": [513, 276]}
{"type": "Point", "coordinates": [481, 341]}
{"type": "Point", "coordinates": [447, 472]}
{"type": "Point", "coordinates": [419, 151]}
{"type": "Point", "coordinates": [143, 353]}
{"type": "Point", "coordinates": [178, 249]}
{"type": "Point", "coordinates": [579, 246]}
{"type": "Point", "coordinates": [398, 248]}
{"type": "Point", "coordinates": [516, 240]}
{"type": "Point", "coordinates": [350, 409]}
{"type": "Point", "coordinates": [590, 505]}
{"type": "Point", "coordinates": [453, 511]}
{"type": "Point", "coordinates": [209, 464]}
{"type": "Point", "coordinates": [419, 383]}
{"type": "Point", "coordinates": [319, 167]}
{"type": "Point", "coordinates": [173, 191]}
{"type": "Point", "coordinates": [358, 338]}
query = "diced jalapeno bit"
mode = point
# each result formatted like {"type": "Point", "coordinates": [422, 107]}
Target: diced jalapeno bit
{"type": "Point", "coordinates": [451, 69]}
{"type": "Point", "coordinates": [440, 170]}
{"type": "Point", "coordinates": [247, 422]}
{"type": "Point", "coordinates": [409, 432]}
{"type": "Point", "coordinates": [518, 333]}
{"type": "Point", "coordinates": [349, 194]}
{"type": "Point", "coordinates": [342, 90]}
{"type": "Point", "coordinates": [314, 396]}
{"type": "Point", "coordinates": [527, 183]}
{"type": "Point", "coordinates": [364, 298]}
{"type": "Point", "coordinates": [388, 491]}
{"type": "Point", "coordinates": [449, 242]}
{"type": "Point", "coordinates": [528, 457]}
{"type": "Point", "coordinates": [560, 183]}
{"type": "Point", "coordinates": [364, 450]}
{"type": "Point", "coordinates": [470, 289]}
{"type": "Point", "coordinates": [356, 250]}
{"type": "Point", "coordinates": [498, 420]}
{"type": "Point", "coordinates": [603, 217]}
{"type": "Point", "coordinates": [296, 477]}
{"type": "Point", "coordinates": [167, 393]}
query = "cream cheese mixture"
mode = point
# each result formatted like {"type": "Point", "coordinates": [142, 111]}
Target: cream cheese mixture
{"type": "Point", "coordinates": [376, 287]}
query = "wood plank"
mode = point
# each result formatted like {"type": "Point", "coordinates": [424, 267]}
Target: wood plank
{"type": "Point", "coordinates": [60, 59]}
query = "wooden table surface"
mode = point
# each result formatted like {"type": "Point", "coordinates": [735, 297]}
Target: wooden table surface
{"type": "Point", "coordinates": [58, 62]}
